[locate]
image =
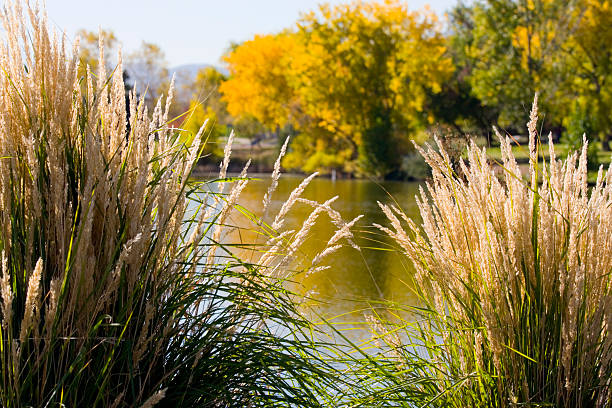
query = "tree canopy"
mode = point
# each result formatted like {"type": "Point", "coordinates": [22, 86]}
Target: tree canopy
{"type": "Point", "coordinates": [206, 105]}
{"type": "Point", "coordinates": [355, 83]}
{"type": "Point", "coordinates": [258, 84]}
{"type": "Point", "coordinates": [353, 80]}
{"type": "Point", "coordinates": [560, 49]}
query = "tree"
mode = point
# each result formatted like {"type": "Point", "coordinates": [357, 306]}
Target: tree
{"type": "Point", "coordinates": [258, 85]}
{"type": "Point", "coordinates": [456, 105]}
{"type": "Point", "coordinates": [89, 56]}
{"type": "Point", "coordinates": [198, 115]}
{"type": "Point", "coordinates": [201, 88]}
{"type": "Point", "coordinates": [205, 89]}
{"type": "Point", "coordinates": [352, 80]}
{"type": "Point", "coordinates": [148, 68]}
{"type": "Point", "coordinates": [560, 49]}
{"type": "Point", "coordinates": [515, 50]}
{"type": "Point", "coordinates": [207, 105]}
{"type": "Point", "coordinates": [366, 75]}
{"type": "Point", "coordinates": [588, 54]}
{"type": "Point", "coordinates": [89, 49]}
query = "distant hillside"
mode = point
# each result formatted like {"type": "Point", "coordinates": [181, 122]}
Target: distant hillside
{"type": "Point", "coordinates": [189, 71]}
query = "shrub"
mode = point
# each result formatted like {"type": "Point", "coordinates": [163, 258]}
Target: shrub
{"type": "Point", "coordinates": [516, 276]}
{"type": "Point", "coordinates": [118, 286]}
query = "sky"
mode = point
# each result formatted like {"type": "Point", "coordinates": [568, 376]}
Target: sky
{"type": "Point", "coordinates": [189, 31]}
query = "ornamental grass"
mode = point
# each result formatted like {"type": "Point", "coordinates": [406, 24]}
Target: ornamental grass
{"type": "Point", "coordinates": [118, 284]}
{"type": "Point", "coordinates": [515, 272]}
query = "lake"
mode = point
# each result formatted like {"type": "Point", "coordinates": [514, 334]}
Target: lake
{"type": "Point", "coordinates": [356, 279]}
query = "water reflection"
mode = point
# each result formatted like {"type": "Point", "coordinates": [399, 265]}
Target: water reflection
{"type": "Point", "coordinates": [356, 278]}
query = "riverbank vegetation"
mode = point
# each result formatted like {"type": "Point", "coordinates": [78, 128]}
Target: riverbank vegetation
{"type": "Point", "coordinates": [356, 83]}
{"type": "Point", "coordinates": [124, 282]}
{"type": "Point", "coordinates": [466, 74]}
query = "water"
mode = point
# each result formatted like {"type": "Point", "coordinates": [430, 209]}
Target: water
{"type": "Point", "coordinates": [355, 279]}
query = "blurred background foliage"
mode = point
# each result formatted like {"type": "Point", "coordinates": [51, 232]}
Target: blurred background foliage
{"type": "Point", "coordinates": [354, 84]}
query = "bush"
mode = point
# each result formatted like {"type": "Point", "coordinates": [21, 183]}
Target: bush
{"type": "Point", "coordinates": [414, 167]}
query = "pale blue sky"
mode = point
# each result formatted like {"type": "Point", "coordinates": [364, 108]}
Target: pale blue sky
{"type": "Point", "coordinates": [189, 31]}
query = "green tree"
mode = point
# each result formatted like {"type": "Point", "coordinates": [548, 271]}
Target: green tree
{"type": "Point", "coordinates": [206, 105]}
{"type": "Point", "coordinates": [511, 49]}
{"type": "Point", "coordinates": [514, 50]}
{"type": "Point", "coordinates": [588, 54]}
{"type": "Point", "coordinates": [456, 105]}
{"type": "Point", "coordinates": [205, 88]}
{"type": "Point", "coordinates": [198, 115]}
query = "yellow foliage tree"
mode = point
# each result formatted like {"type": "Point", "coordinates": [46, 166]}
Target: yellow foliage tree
{"type": "Point", "coordinates": [258, 84]}
{"type": "Point", "coordinates": [353, 80]}
{"type": "Point", "coordinates": [364, 73]}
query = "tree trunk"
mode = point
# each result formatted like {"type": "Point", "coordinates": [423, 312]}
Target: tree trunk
{"type": "Point", "coordinates": [605, 142]}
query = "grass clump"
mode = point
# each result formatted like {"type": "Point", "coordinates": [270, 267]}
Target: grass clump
{"type": "Point", "coordinates": [118, 286]}
{"type": "Point", "coordinates": [516, 276]}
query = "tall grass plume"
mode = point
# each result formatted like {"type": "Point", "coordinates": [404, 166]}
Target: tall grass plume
{"type": "Point", "coordinates": [118, 286]}
{"type": "Point", "coordinates": [516, 273]}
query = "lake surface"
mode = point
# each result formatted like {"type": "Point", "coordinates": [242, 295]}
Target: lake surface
{"type": "Point", "coordinates": [356, 279]}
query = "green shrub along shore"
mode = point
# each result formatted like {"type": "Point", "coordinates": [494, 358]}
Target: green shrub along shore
{"type": "Point", "coordinates": [119, 286]}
